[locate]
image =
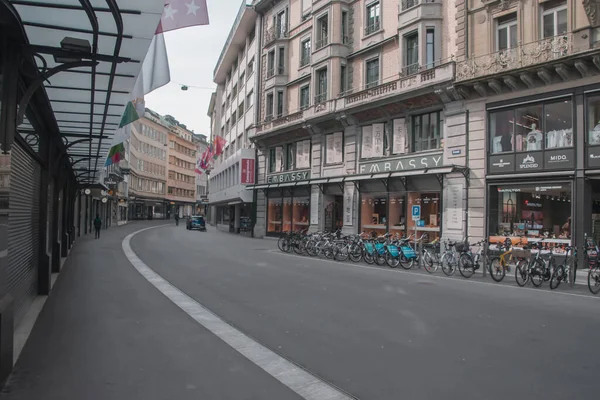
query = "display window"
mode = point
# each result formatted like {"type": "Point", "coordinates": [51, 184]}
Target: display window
{"type": "Point", "coordinates": [374, 212]}
{"type": "Point", "coordinates": [398, 213]}
{"type": "Point", "coordinates": [593, 120]}
{"type": "Point", "coordinates": [300, 213]}
{"type": "Point", "coordinates": [536, 211]}
{"type": "Point", "coordinates": [274, 214]}
{"type": "Point", "coordinates": [287, 214]}
{"type": "Point", "coordinates": [430, 214]}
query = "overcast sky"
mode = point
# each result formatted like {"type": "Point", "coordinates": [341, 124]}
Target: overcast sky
{"type": "Point", "coordinates": [193, 54]}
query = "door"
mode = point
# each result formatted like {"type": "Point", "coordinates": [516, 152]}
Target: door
{"type": "Point", "coordinates": [334, 214]}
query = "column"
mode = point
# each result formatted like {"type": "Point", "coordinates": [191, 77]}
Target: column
{"type": "Point", "coordinates": [236, 223]}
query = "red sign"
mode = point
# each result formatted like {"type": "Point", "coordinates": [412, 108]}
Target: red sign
{"type": "Point", "coordinates": [247, 171]}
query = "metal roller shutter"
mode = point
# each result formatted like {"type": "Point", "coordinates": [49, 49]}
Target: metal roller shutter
{"type": "Point", "coordinates": [25, 180]}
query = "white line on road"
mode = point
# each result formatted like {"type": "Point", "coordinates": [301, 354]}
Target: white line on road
{"type": "Point", "coordinates": [467, 281]}
{"type": "Point", "coordinates": [294, 377]}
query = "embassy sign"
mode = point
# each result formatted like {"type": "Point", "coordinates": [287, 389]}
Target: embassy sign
{"type": "Point", "coordinates": [402, 164]}
{"type": "Point", "coordinates": [548, 160]}
{"type": "Point", "coordinates": [289, 177]}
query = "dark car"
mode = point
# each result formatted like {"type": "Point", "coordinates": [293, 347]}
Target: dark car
{"type": "Point", "coordinates": [196, 222]}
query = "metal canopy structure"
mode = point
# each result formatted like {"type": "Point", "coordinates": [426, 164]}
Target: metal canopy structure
{"type": "Point", "coordinates": [88, 101]}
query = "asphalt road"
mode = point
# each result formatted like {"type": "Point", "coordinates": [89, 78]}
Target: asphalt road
{"type": "Point", "coordinates": [378, 333]}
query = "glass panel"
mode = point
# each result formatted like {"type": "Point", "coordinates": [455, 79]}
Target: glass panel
{"type": "Point", "coordinates": [412, 53]}
{"type": "Point", "coordinates": [561, 17]}
{"type": "Point", "coordinates": [593, 120]}
{"type": "Point", "coordinates": [300, 213]}
{"type": "Point", "coordinates": [534, 211]}
{"type": "Point", "coordinates": [287, 214]}
{"type": "Point", "coordinates": [274, 217]}
{"type": "Point", "coordinates": [430, 214]}
{"type": "Point", "coordinates": [430, 48]}
{"type": "Point", "coordinates": [503, 38]}
{"type": "Point", "coordinates": [513, 36]}
{"type": "Point", "coordinates": [289, 159]}
{"type": "Point", "coordinates": [548, 25]}
{"type": "Point", "coordinates": [528, 125]}
{"type": "Point", "coordinates": [501, 131]}
{"type": "Point", "coordinates": [374, 213]}
{"type": "Point", "coordinates": [398, 213]}
{"type": "Point", "coordinates": [559, 124]}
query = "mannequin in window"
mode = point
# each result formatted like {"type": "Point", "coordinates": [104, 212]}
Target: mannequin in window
{"type": "Point", "coordinates": [595, 134]}
{"type": "Point", "coordinates": [534, 139]}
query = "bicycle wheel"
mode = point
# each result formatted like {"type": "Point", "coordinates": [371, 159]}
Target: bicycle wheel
{"type": "Point", "coordinates": [298, 246]}
{"type": "Point", "coordinates": [521, 273]}
{"type": "Point", "coordinates": [405, 262]}
{"type": "Point", "coordinates": [379, 257]}
{"type": "Point", "coordinates": [284, 244]}
{"type": "Point", "coordinates": [391, 261]}
{"type": "Point", "coordinates": [310, 248]}
{"type": "Point", "coordinates": [368, 257]}
{"type": "Point", "coordinates": [558, 275]}
{"type": "Point", "coordinates": [355, 253]}
{"type": "Point", "coordinates": [594, 280]}
{"type": "Point", "coordinates": [537, 273]}
{"type": "Point", "coordinates": [429, 263]}
{"type": "Point", "coordinates": [497, 270]}
{"type": "Point", "coordinates": [341, 252]}
{"type": "Point", "coordinates": [466, 265]}
{"type": "Point", "coordinates": [447, 264]}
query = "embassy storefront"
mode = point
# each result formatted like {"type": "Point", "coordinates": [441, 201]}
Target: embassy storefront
{"type": "Point", "coordinates": [543, 168]}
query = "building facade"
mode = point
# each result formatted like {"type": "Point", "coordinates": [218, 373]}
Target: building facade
{"type": "Point", "coordinates": [528, 73]}
{"type": "Point", "coordinates": [201, 179]}
{"type": "Point", "coordinates": [147, 163]}
{"type": "Point", "coordinates": [357, 118]}
{"type": "Point", "coordinates": [233, 113]}
{"type": "Point", "coordinates": [181, 179]}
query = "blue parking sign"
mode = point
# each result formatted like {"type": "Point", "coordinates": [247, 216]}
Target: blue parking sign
{"type": "Point", "coordinates": [416, 213]}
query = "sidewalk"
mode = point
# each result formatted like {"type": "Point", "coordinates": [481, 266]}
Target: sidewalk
{"type": "Point", "coordinates": [107, 333]}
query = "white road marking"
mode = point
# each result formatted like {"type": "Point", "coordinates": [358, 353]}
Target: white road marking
{"type": "Point", "coordinates": [293, 376]}
{"type": "Point", "coordinates": [467, 281]}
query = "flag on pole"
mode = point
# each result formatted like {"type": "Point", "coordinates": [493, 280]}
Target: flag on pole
{"type": "Point", "coordinates": [219, 144]}
{"type": "Point", "coordinates": [155, 71]}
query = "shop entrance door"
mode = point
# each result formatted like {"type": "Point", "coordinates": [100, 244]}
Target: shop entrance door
{"type": "Point", "coordinates": [334, 214]}
{"type": "Point", "coordinates": [232, 217]}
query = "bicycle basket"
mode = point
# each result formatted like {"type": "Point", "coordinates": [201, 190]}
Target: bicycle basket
{"type": "Point", "coordinates": [521, 253]}
{"type": "Point", "coordinates": [461, 247]}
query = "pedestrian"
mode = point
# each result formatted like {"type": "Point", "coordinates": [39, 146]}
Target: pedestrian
{"type": "Point", "coordinates": [97, 225]}
{"type": "Point", "coordinates": [176, 219]}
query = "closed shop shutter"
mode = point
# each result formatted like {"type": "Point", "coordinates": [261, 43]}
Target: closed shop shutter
{"type": "Point", "coordinates": [23, 242]}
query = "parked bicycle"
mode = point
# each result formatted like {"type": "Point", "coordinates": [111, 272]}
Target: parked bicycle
{"type": "Point", "coordinates": [500, 265]}
{"type": "Point", "coordinates": [564, 272]}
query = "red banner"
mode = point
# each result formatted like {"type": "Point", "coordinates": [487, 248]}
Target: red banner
{"type": "Point", "coordinates": [247, 171]}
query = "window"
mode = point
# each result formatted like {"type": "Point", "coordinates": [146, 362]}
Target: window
{"type": "Point", "coordinates": [281, 61]}
{"type": "Point", "coordinates": [427, 131]}
{"type": "Point", "coordinates": [289, 156]}
{"type": "Point", "coordinates": [271, 64]}
{"type": "Point", "coordinates": [506, 32]}
{"type": "Point", "coordinates": [334, 148]}
{"type": "Point", "coordinates": [234, 90]}
{"type": "Point", "coordinates": [372, 70]}
{"type": "Point", "coordinates": [242, 79]}
{"type": "Point", "coordinates": [233, 118]}
{"type": "Point", "coordinates": [373, 18]}
{"type": "Point", "coordinates": [250, 67]}
{"type": "Point", "coordinates": [251, 35]}
{"type": "Point", "coordinates": [303, 154]}
{"type": "Point", "coordinates": [345, 38]}
{"type": "Point", "coordinates": [554, 19]}
{"type": "Point", "coordinates": [275, 159]}
{"type": "Point", "coordinates": [241, 110]}
{"type": "Point", "coordinates": [373, 140]}
{"type": "Point", "coordinates": [411, 60]}
{"type": "Point", "coordinates": [249, 100]}
{"type": "Point", "coordinates": [279, 104]}
{"type": "Point", "coordinates": [305, 52]}
{"type": "Point", "coordinates": [322, 32]}
{"type": "Point", "coordinates": [304, 97]}
{"type": "Point", "coordinates": [406, 4]}
{"type": "Point", "coordinates": [430, 48]}
{"type": "Point", "coordinates": [343, 79]}
{"type": "Point", "coordinates": [235, 65]}
{"type": "Point", "coordinates": [269, 106]}
{"type": "Point", "coordinates": [281, 24]}
{"type": "Point", "coordinates": [321, 86]}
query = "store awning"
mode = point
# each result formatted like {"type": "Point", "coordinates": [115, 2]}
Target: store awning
{"type": "Point", "coordinates": [530, 175]}
{"type": "Point", "coordinates": [110, 41]}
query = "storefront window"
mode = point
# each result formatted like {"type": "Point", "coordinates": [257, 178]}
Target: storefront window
{"type": "Point", "coordinates": [300, 213]}
{"type": "Point", "coordinates": [559, 124]}
{"type": "Point", "coordinates": [528, 122]}
{"type": "Point", "coordinates": [430, 214]}
{"type": "Point", "coordinates": [398, 213]}
{"type": "Point", "coordinates": [593, 120]}
{"type": "Point", "coordinates": [274, 215]}
{"type": "Point", "coordinates": [374, 213]}
{"type": "Point", "coordinates": [501, 131]}
{"type": "Point", "coordinates": [287, 214]}
{"type": "Point", "coordinates": [536, 211]}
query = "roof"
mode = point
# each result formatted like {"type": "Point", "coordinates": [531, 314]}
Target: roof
{"type": "Point", "coordinates": [88, 101]}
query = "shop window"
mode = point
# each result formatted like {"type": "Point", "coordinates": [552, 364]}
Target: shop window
{"type": "Point", "coordinates": [527, 125]}
{"type": "Point", "coordinates": [537, 211]}
{"type": "Point", "coordinates": [287, 214]}
{"type": "Point", "coordinates": [274, 215]}
{"type": "Point", "coordinates": [427, 131]}
{"type": "Point", "coordinates": [334, 148]}
{"type": "Point", "coordinates": [593, 120]}
{"type": "Point", "coordinates": [430, 214]}
{"type": "Point", "coordinates": [300, 213]}
{"type": "Point", "coordinates": [558, 124]}
{"type": "Point", "coordinates": [398, 213]}
{"type": "Point", "coordinates": [501, 131]}
{"type": "Point", "coordinates": [374, 213]}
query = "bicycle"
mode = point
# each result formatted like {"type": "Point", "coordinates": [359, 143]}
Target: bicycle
{"type": "Point", "coordinates": [471, 260]}
{"type": "Point", "coordinates": [594, 269]}
{"type": "Point", "coordinates": [563, 271]}
{"type": "Point", "coordinates": [431, 256]}
{"type": "Point", "coordinates": [454, 256]}
{"type": "Point", "coordinates": [501, 264]}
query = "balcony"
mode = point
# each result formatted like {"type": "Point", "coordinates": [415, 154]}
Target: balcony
{"type": "Point", "coordinates": [322, 42]}
{"type": "Point", "coordinates": [556, 59]}
{"type": "Point", "coordinates": [304, 61]}
{"type": "Point", "coordinates": [412, 11]}
{"type": "Point", "coordinates": [374, 27]}
{"type": "Point", "coordinates": [276, 33]}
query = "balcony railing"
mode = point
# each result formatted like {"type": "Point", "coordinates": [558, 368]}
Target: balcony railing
{"type": "Point", "coordinates": [522, 56]}
{"type": "Point", "coordinates": [324, 41]}
{"type": "Point", "coordinates": [321, 98]}
{"type": "Point", "coordinates": [270, 72]}
{"type": "Point", "coordinates": [406, 4]}
{"type": "Point", "coordinates": [410, 69]}
{"type": "Point", "coordinates": [275, 33]}
{"type": "Point", "coordinates": [304, 61]}
{"type": "Point", "coordinates": [374, 27]}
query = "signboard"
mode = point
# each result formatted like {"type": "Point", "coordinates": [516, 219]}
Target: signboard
{"type": "Point", "coordinates": [247, 171]}
{"type": "Point", "coordinates": [502, 163]}
{"type": "Point", "coordinates": [548, 160]}
{"type": "Point", "coordinates": [593, 157]}
{"type": "Point", "coordinates": [559, 159]}
{"type": "Point", "coordinates": [454, 207]}
{"type": "Point", "coordinates": [349, 205]}
{"type": "Point", "coordinates": [529, 162]}
{"type": "Point", "coordinates": [399, 145]}
{"type": "Point", "coordinates": [402, 164]}
{"type": "Point", "coordinates": [416, 213]}
{"type": "Point", "coordinates": [289, 177]}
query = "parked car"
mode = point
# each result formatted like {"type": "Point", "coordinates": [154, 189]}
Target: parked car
{"type": "Point", "coordinates": [196, 222]}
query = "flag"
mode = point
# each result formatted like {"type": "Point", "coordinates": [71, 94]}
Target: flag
{"type": "Point", "coordinates": [155, 71]}
{"type": "Point", "coordinates": [116, 154]}
{"type": "Point", "coordinates": [219, 143]}
{"type": "Point", "coordinates": [181, 14]}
